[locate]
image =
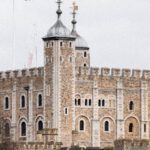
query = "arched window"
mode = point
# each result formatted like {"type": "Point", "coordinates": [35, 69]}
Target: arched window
{"type": "Point", "coordinates": [130, 127]}
{"type": "Point", "coordinates": [131, 105]}
{"type": "Point", "coordinates": [79, 102]}
{"type": "Point", "coordinates": [84, 65]}
{"type": "Point", "coordinates": [23, 129]}
{"type": "Point", "coordinates": [40, 100]}
{"type": "Point", "coordinates": [6, 103]}
{"type": "Point", "coordinates": [106, 126]}
{"type": "Point", "coordinates": [23, 102]}
{"type": "Point", "coordinates": [7, 130]}
{"type": "Point", "coordinates": [75, 101]}
{"type": "Point", "coordinates": [81, 125]}
{"type": "Point", "coordinates": [40, 125]}
{"type": "Point", "coordinates": [99, 102]}
{"type": "Point", "coordinates": [103, 102]}
{"type": "Point", "coordinates": [70, 44]}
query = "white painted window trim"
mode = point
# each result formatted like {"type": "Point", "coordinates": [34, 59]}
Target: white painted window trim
{"type": "Point", "coordinates": [79, 125]}
{"type": "Point", "coordinates": [109, 129]}
{"type": "Point", "coordinates": [23, 120]}
{"type": "Point", "coordinates": [37, 100]}
{"type": "Point", "coordinates": [20, 104]}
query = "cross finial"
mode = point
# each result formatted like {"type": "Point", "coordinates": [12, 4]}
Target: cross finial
{"type": "Point", "coordinates": [75, 8]}
{"type": "Point", "coordinates": [59, 12]}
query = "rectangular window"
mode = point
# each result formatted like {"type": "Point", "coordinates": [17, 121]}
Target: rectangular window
{"type": "Point", "coordinates": [144, 127]}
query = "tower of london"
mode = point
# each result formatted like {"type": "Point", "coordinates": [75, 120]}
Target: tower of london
{"type": "Point", "coordinates": [70, 102]}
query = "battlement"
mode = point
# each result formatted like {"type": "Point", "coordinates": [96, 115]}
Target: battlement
{"type": "Point", "coordinates": [114, 72]}
{"type": "Point", "coordinates": [22, 73]}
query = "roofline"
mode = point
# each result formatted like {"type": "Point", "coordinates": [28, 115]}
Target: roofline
{"type": "Point", "coordinates": [82, 48]}
{"type": "Point", "coordinates": [58, 38]}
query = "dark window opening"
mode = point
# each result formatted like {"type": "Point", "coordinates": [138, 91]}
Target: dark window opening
{"type": "Point", "coordinates": [86, 102]}
{"type": "Point", "coordinates": [61, 44]}
{"type": "Point", "coordinates": [23, 129]}
{"type": "Point", "coordinates": [6, 103]}
{"type": "Point", "coordinates": [84, 65]}
{"type": "Point", "coordinates": [90, 102]}
{"type": "Point", "coordinates": [70, 44]}
{"type": "Point", "coordinates": [79, 102]}
{"type": "Point", "coordinates": [131, 105]}
{"type": "Point", "coordinates": [66, 111]}
{"type": "Point", "coordinates": [85, 54]}
{"type": "Point", "coordinates": [130, 127]}
{"type": "Point", "coordinates": [106, 126]}
{"type": "Point", "coordinates": [144, 127]}
{"type": "Point", "coordinates": [103, 102]}
{"type": "Point", "coordinates": [81, 125]}
{"type": "Point", "coordinates": [23, 103]}
{"type": "Point", "coordinates": [99, 102]}
{"type": "Point", "coordinates": [75, 101]}
{"type": "Point", "coordinates": [40, 125]}
{"type": "Point", "coordinates": [40, 102]}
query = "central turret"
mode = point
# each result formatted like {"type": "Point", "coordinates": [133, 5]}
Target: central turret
{"type": "Point", "coordinates": [59, 79]}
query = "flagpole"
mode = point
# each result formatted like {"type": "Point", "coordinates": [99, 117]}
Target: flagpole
{"type": "Point", "coordinates": [13, 35]}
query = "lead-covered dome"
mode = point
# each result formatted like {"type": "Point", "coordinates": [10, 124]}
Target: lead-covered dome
{"type": "Point", "coordinates": [58, 30]}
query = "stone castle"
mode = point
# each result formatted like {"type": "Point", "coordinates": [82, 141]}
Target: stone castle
{"type": "Point", "coordinates": [71, 102]}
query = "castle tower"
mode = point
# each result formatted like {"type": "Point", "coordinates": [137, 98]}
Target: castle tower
{"type": "Point", "coordinates": [82, 50]}
{"type": "Point", "coordinates": [59, 79]}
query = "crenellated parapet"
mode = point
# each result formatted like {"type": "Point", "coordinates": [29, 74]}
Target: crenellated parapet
{"type": "Point", "coordinates": [22, 73]}
{"type": "Point", "coordinates": [113, 72]}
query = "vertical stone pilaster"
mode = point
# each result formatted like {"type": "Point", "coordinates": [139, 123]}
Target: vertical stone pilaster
{"type": "Point", "coordinates": [120, 113]}
{"type": "Point", "coordinates": [13, 123]}
{"type": "Point", "coordinates": [144, 111]}
{"type": "Point", "coordinates": [95, 121]}
{"type": "Point", "coordinates": [30, 103]}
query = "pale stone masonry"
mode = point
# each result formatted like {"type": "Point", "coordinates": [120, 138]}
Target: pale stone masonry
{"type": "Point", "coordinates": [86, 106]}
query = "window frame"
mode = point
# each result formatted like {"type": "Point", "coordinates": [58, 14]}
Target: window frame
{"type": "Point", "coordinates": [84, 126]}
{"type": "Point", "coordinates": [21, 135]}
{"type": "Point", "coordinates": [21, 101]}
{"type": "Point", "coordinates": [38, 106]}
{"type": "Point", "coordinates": [104, 127]}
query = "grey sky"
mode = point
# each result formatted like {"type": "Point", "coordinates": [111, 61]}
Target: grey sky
{"type": "Point", "coordinates": [117, 31]}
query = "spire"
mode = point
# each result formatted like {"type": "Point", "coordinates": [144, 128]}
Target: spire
{"type": "Point", "coordinates": [74, 22]}
{"type": "Point", "coordinates": [59, 12]}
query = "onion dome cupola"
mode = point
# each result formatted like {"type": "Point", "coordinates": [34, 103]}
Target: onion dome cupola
{"type": "Point", "coordinates": [80, 42]}
{"type": "Point", "coordinates": [58, 30]}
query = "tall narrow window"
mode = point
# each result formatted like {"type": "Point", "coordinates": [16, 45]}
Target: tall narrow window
{"type": "Point", "coordinates": [7, 130]}
{"type": "Point", "coordinates": [130, 127]}
{"type": "Point", "coordinates": [40, 125]}
{"type": "Point", "coordinates": [23, 129]}
{"type": "Point", "coordinates": [85, 54]}
{"type": "Point", "coordinates": [66, 111]}
{"type": "Point", "coordinates": [90, 102]}
{"type": "Point", "coordinates": [61, 44]}
{"type": "Point", "coordinates": [85, 102]}
{"type": "Point", "coordinates": [99, 102]}
{"type": "Point", "coordinates": [79, 102]}
{"type": "Point", "coordinates": [81, 125]}
{"type": "Point", "coordinates": [106, 126]}
{"type": "Point", "coordinates": [76, 102]}
{"type": "Point", "coordinates": [144, 127]}
{"type": "Point", "coordinates": [40, 100]}
{"type": "Point", "coordinates": [6, 103]}
{"type": "Point", "coordinates": [70, 44]}
{"type": "Point", "coordinates": [23, 103]}
{"type": "Point", "coordinates": [131, 105]}
{"type": "Point", "coordinates": [103, 102]}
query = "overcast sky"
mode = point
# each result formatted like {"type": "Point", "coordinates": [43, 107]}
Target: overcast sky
{"type": "Point", "coordinates": [117, 31]}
